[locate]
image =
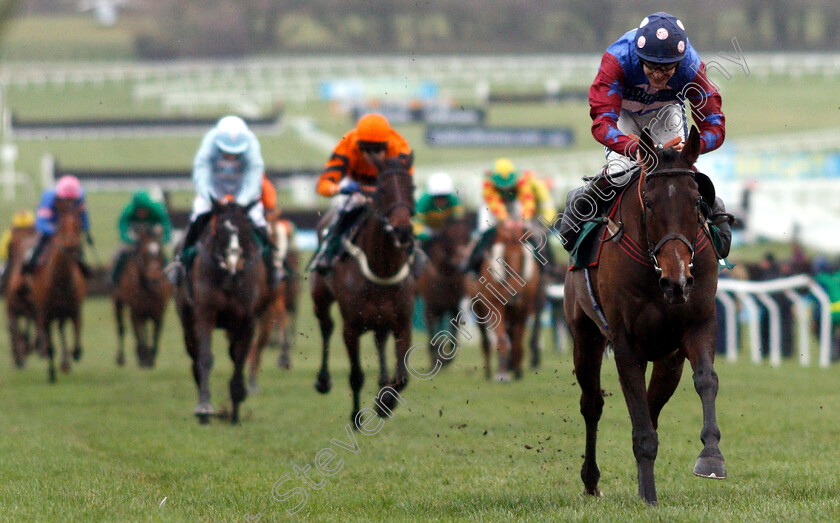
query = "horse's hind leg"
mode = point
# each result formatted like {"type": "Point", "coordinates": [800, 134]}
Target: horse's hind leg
{"type": "Point", "coordinates": [157, 328]}
{"type": "Point", "coordinates": [18, 342]}
{"type": "Point", "coordinates": [256, 350]}
{"type": "Point", "coordinates": [700, 352]}
{"type": "Point", "coordinates": [285, 359]}
{"type": "Point", "coordinates": [118, 313]}
{"type": "Point", "coordinates": [589, 346]}
{"type": "Point", "coordinates": [202, 365]}
{"type": "Point", "coordinates": [322, 299]}
{"type": "Point", "coordinates": [381, 340]}
{"type": "Point", "coordinates": [142, 349]}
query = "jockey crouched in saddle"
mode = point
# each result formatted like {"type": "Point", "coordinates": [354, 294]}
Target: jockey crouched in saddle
{"type": "Point", "coordinates": [229, 162]}
{"type": "Point", "coordinates": [23, 223]}
{"type": "Point", "coordinates": [351, 171]}
{"type": "Point", "coordinates": [644, 79]}
{"type": "Point", "coordinates": [510, 194]}
{"type": "Point", "coordinates": [438, 206]}
{"type": "Point", "coordinates": [141, 211]}
{"type": "Point", "coordinates": [68, 187]}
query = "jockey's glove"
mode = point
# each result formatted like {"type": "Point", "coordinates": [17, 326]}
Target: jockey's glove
{"type": "Point", "coordinates": [350, 188]}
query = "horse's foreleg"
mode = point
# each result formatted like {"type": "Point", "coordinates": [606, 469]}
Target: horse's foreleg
{"type": "Point", "coordinates": [357, 377]}
{"type": "Point", "coordinates": [386, 402]}
{"type": "Point", "coordinates": [118, 313]}
{"type": "Point", "coordinates": [381, 340]}
{"type": "Point", "coordinates": [142, 345]}
{"type": "Point", "coordinates": [240, 341]}
{"type": "Point", "coordinates": [518, 325]}
{"type": "Point", "coordinates": [287, 334]}
{"type": "Point", "coordinates": [322, 301]}
{"type": "Point", "coordinates": [45, 345]}
{"type": "Point", "coordinates": [65, 350]}
{"type": "Point", "coordinates": [77, 334]}
{"type": "Point", "coordinates": [501, 340]}
{"type": "Point", "coordinates": [18, 343]}
{"type": "Point", "coordinates": [588, 354]}
{"type": "Point", "coordinates": [157, 326]}
{"type": "Point", "coordinates": [202, 364]}
{"type": "Point", "coordinates": [631, 372]}
{"type": "Point", "coordinates": [700, 352]}
{"type": "Point", "coordinates": [663, 382]}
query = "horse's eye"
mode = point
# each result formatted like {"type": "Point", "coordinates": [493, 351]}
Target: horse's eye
{"type": "Point", "coordinates": [648, 204]}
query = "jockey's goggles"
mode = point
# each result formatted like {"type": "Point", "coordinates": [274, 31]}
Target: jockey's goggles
{"type": "Point", "coordinates": [662, 68]}
{"type": "Point", "coordinates": [373, 147]}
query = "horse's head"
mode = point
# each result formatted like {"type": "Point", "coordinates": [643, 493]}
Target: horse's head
{"type": "Point", "coordinates": [509, 246]}
{"type": "Point", "coordinates": [68, 230]}
{"type": "Point", "coordinates": [393, 202]}
{"type": "Point", "coordinates": [671, 212]}
{"type": "Point", "coordinates": [150, 251]}
{"type": "Point", "coordinates": [232, 236]}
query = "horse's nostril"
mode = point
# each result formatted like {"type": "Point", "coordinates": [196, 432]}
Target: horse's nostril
{"type": "Point", "coordinates": [689, 282]}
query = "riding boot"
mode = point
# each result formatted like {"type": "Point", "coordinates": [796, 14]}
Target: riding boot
{"type": "Point", "coordinates": [34, 254]}
{"type": "Point", "coordinates": [476, 257]}
{"type": "Point", "coordinates": [274, 275]}
{"type": "Point", "coordinates": [331, 246]}
{"type": "Point", "coordinates": [177, 269]}
{"type": "Point", "coordinates": [721, 220]}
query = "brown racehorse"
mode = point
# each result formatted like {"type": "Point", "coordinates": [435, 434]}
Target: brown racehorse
{"type": "Point", "coordinates": [509, 289]}
{"type": "Point", "coordinates": [658, 308]}
{"type": "Point", "coordinates": [226, 289]}
{"type": "Point", "coordinates": [19, 306]}
{"type": "Point", "coordinates": [277, 316]}
{"type": "Point", "coordinates": [442, 285]}
{"type": "Point", "coordinates": [58, 285]}
{"type": "Point", "coordinates": [143, 287]}
{"type": "Point", "coordinates": [373, 286]}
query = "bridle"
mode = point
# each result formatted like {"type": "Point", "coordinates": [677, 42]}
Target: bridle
{"type": "Point", "coordinates": [382, 215]}
{"type": "Point", "coordinates": [653, 249]}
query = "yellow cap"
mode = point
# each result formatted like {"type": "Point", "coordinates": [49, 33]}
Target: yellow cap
{"type": "Point", "coordinates": [23, 218]}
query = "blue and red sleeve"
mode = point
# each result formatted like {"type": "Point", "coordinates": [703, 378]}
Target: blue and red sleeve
{"type": "Point", "coordinates": [706, 110]}
{"type": "Point", "coordinates": [605, 97]}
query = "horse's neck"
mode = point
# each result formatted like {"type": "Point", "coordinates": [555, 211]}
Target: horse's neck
{"type": "Point", "coordinates": [630, 214]}
{"type": "Point", "coordinates": [384, 258]}
{"type": "Point", "coordinates": [59, 263]}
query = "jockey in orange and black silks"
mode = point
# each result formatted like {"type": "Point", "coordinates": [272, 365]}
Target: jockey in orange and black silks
{"type": "Point", "coordinates": [351, 170]}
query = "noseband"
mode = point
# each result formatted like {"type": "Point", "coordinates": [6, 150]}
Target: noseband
{"type": "Point", "coordinates": [653, 249]}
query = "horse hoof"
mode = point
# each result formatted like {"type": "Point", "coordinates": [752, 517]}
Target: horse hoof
{"type": "Point", "coordinates": [121, 360]}
{"type": "Point", "coordinates": [503, 377]}
{"type": "Point", "coordinates": [710, 467]}
{"type": "Point", "coordinates": [51, 375]}
{"type": "Point", "coordinates": [204, 409]}
{"type": "Point", "coordinates": [596, 493]}
{"type": "Point", "coordinates": [203, 419]}
{"type": "Point", "coordinates": [323, 385]}
{"type": "Point", "coordinates": [77, 354]}
{"type": "Point", "coordinates": [517, 374]}
{"type": "Point", "coordinates": [284, 362]}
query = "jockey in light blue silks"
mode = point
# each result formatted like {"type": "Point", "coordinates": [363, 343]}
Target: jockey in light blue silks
{"type": "Point", "coordinates": [644, 80]}
{"type": "Point", "coordinates": [229, 162]}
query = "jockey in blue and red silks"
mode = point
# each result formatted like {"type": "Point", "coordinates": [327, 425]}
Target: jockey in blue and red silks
{"type": "Point", "coordinates": [68, 187]}
{"type": "Point", "coordinates": [644, 80]}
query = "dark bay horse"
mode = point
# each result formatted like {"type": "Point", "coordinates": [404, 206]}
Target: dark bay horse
{"type": "Point", "coordinates": [19, 307]}
{"type": "Point", "coordinates": [146, 291]}
{"type": "Point", "coordinates": [658, 306]}
{"type": "Point", "coordinates": [508, 290]}
{"type": "Point", "coordinates": [226, 289]}
{"type": "Point", "coordinates": [442, 285]}
{"type": "Point", "coordinates": [277, 316]}
{"type": "Point", "coordinates": [373, 286]}
{"type": "Point", "coordinates": [58, 286]}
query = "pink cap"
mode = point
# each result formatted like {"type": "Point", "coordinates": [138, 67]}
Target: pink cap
{"type": "Point", "coordinates": [68, 187]}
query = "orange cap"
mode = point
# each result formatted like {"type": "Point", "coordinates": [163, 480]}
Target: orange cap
{"type": "Point", "coordinates": [373, 128]}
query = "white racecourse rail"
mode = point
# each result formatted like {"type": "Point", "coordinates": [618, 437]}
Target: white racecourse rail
{"type": "Point", "coordinates": [747, 292]}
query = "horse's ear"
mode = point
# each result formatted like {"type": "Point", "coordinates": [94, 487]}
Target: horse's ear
{"type": "Point", "coordinates": [691, 150]}
{"type": "Point", "coordinates": [646, 150]}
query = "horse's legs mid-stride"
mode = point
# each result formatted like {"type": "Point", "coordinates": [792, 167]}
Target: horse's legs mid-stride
{"type": "Point", "coordinates": [402, 340]}
{"type": "Point", "coordinates": [631, 366]}
{"type": "Point", "coordinates": [663, 382]}
{"type": "Point", "coordinates": [589, 346]}
{"type": "Point", "coordinates": [65, 351]}
{"type": "Point", "coordinates": [322, 301]}
{"type": "Point", "coordinates": [157, 326]}
{"type": "Point", "coordinates": [202, 364]}
{"type": "Point", "coordinates": [700, 353]}
{"type": "Point", "coordinates": [142, 349]}
{"type": "Point", "coordinates": [240, 341]}
{"type": "Point", "coordinates": [45, 346]}
{"type": "Point", "coordinates": [357, 377]}
{"type": "Point", "coordinates": [381, 340]}
{"type": "Point", "coordinates": [118, 313]}
{"type": "Point", "coordinates": [77, 333]}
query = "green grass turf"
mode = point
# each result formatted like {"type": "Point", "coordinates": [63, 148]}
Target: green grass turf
{"type": "Point", "coordinates": [109, 444]}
